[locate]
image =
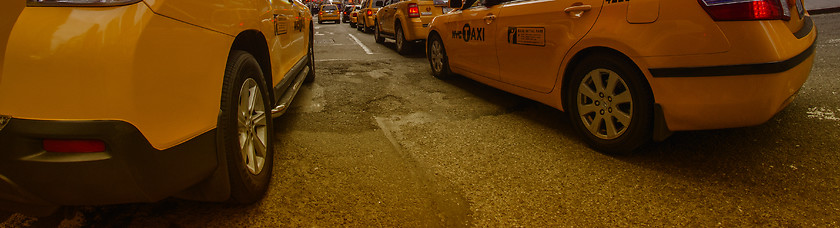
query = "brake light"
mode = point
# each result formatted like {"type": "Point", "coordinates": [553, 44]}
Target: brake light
{"type": "Point", "coordinates": [369, 13]}
{"type": "Point", "coordinates": [743, 10]}
{"type": "Point", "coordinates": [355, 15]}
{"type": "Point", "coordinates": [413, 10]}
{"type": "Point", "coordinates": [73, 146]}
{"type": "Point", "coordinates": [321, 13]}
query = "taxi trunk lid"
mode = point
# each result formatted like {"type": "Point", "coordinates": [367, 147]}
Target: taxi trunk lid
{"type": "Point", "coordinates": [429, 9]}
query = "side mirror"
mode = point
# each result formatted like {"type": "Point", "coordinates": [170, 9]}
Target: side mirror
{"type": "Point", "coordinates": [379, 4]}
{"type": "Point", "coordinates": [455, 4]}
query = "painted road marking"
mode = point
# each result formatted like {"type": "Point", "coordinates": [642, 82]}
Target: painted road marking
{"type": "Point", "coordinates": [367, 50]}
{"type": "Point", "coordinates": [823, 113]}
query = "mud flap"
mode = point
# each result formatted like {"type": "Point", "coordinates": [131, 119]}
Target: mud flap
{"type": "Point", "coordinates": [660, 127]}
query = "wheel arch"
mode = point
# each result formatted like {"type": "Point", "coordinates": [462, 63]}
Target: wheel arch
{"type": "Point", "coordinates": [660, 128]}
{"type": "Point", "coordinates": [432, 32]}
{"type": "Point", "coordinates": [254, 42]}
{"type": "Point", "coordinates": [590, 51]}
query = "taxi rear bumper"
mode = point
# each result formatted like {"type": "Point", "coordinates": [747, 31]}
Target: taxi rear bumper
{"type": "Point", "coordinates": [415, 29]}
{"type": "Point", "coordinates": [718, 97]}
{"type": "Point", "coordinates": [328, 17]}
{"type": "Point", "coordinates": [37, 182]}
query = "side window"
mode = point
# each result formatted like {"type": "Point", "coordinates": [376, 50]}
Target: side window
{"type": "Point", "coordinates": [491, 3]}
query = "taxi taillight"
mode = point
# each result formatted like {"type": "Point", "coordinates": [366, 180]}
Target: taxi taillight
{"type": "Point", "coordinates": [355, 15]}
{"type": "Point", "coordinates": [73, 145]}
{"type": "Point", "coordinates": [369, 13]}
{"type": "Point", "coordinates": [745, 10]}
{"type": "Point", "coordinates": [413, 10]}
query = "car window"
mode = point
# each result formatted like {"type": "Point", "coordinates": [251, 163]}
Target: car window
{"type": "Point", "coordinates": [374, 5]}
{"type": "Point", "coordinates": [327, 8]}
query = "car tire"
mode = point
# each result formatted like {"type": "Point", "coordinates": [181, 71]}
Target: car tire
{"type": "Point", "coordinates": [364, 28]}
{"type": "Point", "coordinates": [438, 59]}
{"type": "Point", "coordinates": [246, 127]}
{"type": "Point", "coordinates": [310, 77]}
{"type": "Point", "coordinates": [320, 22]}
{"type": "Point", "coordinates": [377, 35]}
{"type": "Point", "coordinates": [612, 122]}
{"type": "Point", "coordinates": [359, 26]}
{"type": "Point", "coordinates": [403, 47]}
{"type": "Point", "coordinates": [352, 25]}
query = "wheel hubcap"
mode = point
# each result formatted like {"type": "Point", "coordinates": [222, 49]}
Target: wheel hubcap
{"type": "Point", "coordinates": [604, 104]}
{"type": "Point", "coordinates": [437, 56]}
{"type": "Point", "coordinates": [252, 126]}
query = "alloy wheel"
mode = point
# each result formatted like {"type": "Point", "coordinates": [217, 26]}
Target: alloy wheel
{"type": "Point", "coordinates": [437, 55]}
{"type": "Point", "coordinates": [252, 128]}
{"type": "Point", "coordinates": [604, 104]}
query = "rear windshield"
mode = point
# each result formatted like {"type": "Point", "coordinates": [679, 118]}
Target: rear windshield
{"type": "Point", "coordinates": [381, 2]}
{"type": "Point", "coordinates": [329, 8]}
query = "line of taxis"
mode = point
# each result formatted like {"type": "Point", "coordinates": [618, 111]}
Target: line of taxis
{"type": "Point", "coordinates": [625, 72]}
{"type": "Point", "coordinates": [117, 101]}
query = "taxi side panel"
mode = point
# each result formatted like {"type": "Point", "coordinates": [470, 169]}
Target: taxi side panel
{"type": "Point", "coordinates": [286, 30]}
{"type": "Point", "coordinates": [136, 75]}
{"type": "Point", "coordinates": [533, 29]}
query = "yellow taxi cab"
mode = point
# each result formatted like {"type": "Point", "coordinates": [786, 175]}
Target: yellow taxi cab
{"type": "Point", "coordinates": [329, 12]}
{"type": "Point", "coordinates": [367, 15]}
{"type": "Point", "coordinates": [118, 101]}
{"type": "Point", "coordinates": [627, 72]}
{"type": "Point", "coordinates": [405, 21]}
{"type": "Point", "coordinates": [354, 17]}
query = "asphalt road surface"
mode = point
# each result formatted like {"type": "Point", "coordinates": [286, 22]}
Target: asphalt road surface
{"type": "Point", "coordinates": [377, 141]}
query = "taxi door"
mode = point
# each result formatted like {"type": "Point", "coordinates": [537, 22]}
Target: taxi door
{"type": "Point", "coordinates": [286, 44]}
{"type": "Point", "coordinates": [535, 35]}
{"type": "Point", "coordinates": [471, 45]}
{"type": "Point", "coordinates": [385, 16]}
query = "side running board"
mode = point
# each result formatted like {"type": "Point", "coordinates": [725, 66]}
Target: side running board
{"type": "Point", "coordinates": [289, 95]}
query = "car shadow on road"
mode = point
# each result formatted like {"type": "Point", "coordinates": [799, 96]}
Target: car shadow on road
{"type": "Point", "coordinates": [417, 50]}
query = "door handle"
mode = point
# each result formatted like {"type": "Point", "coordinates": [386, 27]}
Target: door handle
{"type": "Point", "coordinates": [577, 9]}
{"type": "Point", "coordinates": [489, 18]}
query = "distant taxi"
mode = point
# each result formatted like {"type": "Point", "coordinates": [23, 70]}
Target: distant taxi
{"type": "Point", "coordinates": [354, 16]}
{"type": "Point", "coordinates": [406, 21]}
{"type": "Point", "coordinates": [626, 71]}
{"type": "Point", "coordinates": [329, 12]}
{"type": "Point", "coordinates": [121, 101]}
{"type": "Point", "coordinates": [367, 15]}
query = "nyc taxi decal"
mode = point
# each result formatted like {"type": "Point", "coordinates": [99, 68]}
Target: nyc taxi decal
{"type": "Point", "coordinates": [533, 36]}
{"type": "Point", "coordinates": [469, 34]}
